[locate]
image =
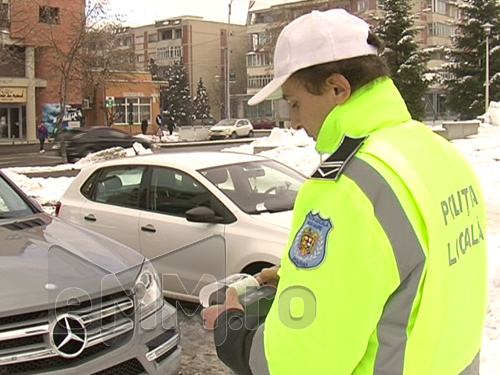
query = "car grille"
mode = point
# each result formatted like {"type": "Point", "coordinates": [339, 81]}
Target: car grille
{"type": "Point", "coordinates": [25, 345]}
{"type": "Point", "coordinates": [131, 367]}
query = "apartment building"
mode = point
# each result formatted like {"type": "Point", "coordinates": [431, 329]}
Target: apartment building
{"type": "Point", "coordinates": [29, 82]}
{"type": "Point", "coordinates": [433, 16]}
{"type": "Point", "coordinates": [202, 45]}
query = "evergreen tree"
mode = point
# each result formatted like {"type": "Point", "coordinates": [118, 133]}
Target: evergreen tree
{"type": "Point", "coordinates": [200, 102]}
{"type": "Point", "coordinates": [177, 97]}
{"type": "Point", "coordinates": [406, 61]}
{"type": "Point", "coordinates": [465, 86]}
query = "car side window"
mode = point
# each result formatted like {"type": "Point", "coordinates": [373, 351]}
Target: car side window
{"type": "Point", "coordinates": [173, 192]}
{"type": "Point", "coordinates": [116, 134]}
{"type": "Point", "coordinates": [119, 186]}
{"type": "Point", "coordinates": [220, 177]}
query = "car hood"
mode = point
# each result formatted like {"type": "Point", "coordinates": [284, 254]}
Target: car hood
{"type": "Point", "coordinates": [44, 261]}
{"type": "Point", "coordinates": [278, 219]}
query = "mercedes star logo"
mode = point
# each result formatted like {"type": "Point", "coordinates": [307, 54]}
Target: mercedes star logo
{"type": "Point", "coordinates": [68, 336]}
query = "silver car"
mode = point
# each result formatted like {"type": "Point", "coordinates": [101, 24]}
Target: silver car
{"type": "Point", "coordinates": [197, 216]}
{"type": "Point", "coordinates": [76, 302]}
{"type": "Point", "coordinates": [231, 128]}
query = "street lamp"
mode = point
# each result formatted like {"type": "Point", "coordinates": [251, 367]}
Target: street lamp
{"type": "Point", "coordinates": [228, 62]}
{"type": "Point", "coordinates": [487, 29]}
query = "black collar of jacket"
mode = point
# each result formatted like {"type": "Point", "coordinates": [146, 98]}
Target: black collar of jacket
{"type": "Point", "coordinates": [332, 167]}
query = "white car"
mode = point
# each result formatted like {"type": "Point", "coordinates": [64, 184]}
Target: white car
{"type": "Point", "coordinates": [198, 217]}
{"type": "Point", "coordinates": [231, 128]}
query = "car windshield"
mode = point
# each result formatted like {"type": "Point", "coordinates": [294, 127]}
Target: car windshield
{"type": "Point", "coordinates": [226, 123]}
{"type": "Point", "coordinates": [11, 203]}
{"type": "Point", "coordinates": [257, 187]}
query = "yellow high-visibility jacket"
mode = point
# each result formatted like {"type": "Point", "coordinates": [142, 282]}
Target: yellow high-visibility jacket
{"type": "Point", "coordinates": [385, 270]}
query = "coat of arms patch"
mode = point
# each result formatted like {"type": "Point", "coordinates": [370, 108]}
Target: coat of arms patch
{"type": "Point", "coordinates": [309, 245]}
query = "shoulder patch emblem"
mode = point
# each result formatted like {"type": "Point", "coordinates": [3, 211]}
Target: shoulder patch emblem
{"type": "Point", "coordinates": [309, 245]}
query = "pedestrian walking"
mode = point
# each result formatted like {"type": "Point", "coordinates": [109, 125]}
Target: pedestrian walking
{"type": "Point", "coordinates": [385, 268]}
{"type": "Point", "coordinates": [144, 126]}
{"type": "Point", "coordinates": [170, 125]}
{"type": "Point", "coordinates": [41, 134]}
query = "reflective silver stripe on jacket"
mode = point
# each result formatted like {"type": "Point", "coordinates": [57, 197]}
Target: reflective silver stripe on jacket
{"type": "Point", "coordinates": [473, 368]}
{"type": "Point", "coordinates": [258, 362]}
{"type": "Point", "coordinates": [410, 258]}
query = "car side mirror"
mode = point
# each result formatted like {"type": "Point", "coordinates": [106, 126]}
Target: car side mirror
{"type": "Point", "coordinates": [202, 214]}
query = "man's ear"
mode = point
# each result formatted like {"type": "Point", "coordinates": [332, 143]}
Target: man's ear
{"type": "Point", "coordinates": [340, 87]}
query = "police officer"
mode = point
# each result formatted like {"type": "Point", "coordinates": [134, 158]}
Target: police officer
{"type": "Point", "coordinates": [385, 267]}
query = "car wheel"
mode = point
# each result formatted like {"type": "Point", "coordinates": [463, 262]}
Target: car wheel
{"type": "Point", "coordinates": [233, 136]}
{"type": "Point", "coordinates": [250, 134]}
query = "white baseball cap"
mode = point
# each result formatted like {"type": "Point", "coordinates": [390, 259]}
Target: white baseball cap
{"type": "Point", "coordinates": [312, 39]}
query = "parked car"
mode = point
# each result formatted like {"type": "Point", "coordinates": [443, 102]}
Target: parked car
{"type": "Point", "coordinates": [74, 301]}
{"type": "Point", "coordinates": [263, 123]}
{"type": "Point", "coordinates": [231, 128]}
{"type": "Point", "coordinates": [83, 141]}
{"type": "Point", "coordinates": [198, 216]}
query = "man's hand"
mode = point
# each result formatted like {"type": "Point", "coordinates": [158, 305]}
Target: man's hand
{"type": "Point", "coordinates": [268, 276]}
{"type": "Point", "coordinates": [210, 314]}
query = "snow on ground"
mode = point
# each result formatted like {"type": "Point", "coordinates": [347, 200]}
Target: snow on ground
{"type": "Point", "coordinates": [296, 149]}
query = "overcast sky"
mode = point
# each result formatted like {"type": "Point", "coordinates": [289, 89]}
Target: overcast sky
{"type": "Point", "coordinates": [144, 12]}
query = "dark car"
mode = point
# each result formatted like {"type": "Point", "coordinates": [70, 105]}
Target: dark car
{"type": "Point", "coordinates": [75, 302]}
{"type": "Point", "coordinates": [263, 123]}
{"type": "Point", "coordinates": [83, 141]}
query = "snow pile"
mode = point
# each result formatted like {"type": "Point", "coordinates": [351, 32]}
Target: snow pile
{"type": "Point", "coordinates": [113, 153]}
{"type": "Point", "coordinates": [492, 116]}
{"type": "Point", "coordinates": [291, 147]}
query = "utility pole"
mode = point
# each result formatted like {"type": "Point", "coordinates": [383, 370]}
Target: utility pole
{"type": "Point", "coordinates": [228, 62]}
{"type": "Point", "coordinates": [487, 29]}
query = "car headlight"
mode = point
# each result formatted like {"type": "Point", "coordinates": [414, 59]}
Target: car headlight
{"type": "Point", "coordinates": [148, 290]}
{"type": "Point", "coordinates": [227, 131]}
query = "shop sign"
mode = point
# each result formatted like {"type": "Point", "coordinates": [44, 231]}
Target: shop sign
{"type": "Point", "coordinates": [133, 94]}
{"type": "Point", "coordinates": [12, 94]}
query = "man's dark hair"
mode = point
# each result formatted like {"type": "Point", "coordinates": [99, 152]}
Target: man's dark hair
{"type": "Point", "coordinates": [358, 71]}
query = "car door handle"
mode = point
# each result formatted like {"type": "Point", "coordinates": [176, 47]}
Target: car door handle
{"type": "Point", "coordinates": [148, 228]}
{"type": "Point", "coordinates": [90, 217]}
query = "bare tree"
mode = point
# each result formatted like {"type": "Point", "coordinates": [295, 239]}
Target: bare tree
{"type": "Point", "coordinates": [100, 58]}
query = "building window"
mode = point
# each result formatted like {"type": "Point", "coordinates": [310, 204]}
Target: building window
{"type": "Point", "coordinates": [139, 41]}
{"type": "Point", "coordinates": [438, 54]}
{"type": "Point", "coordinates": [439, 6]}
{"type": "Point", "coordinates": [48, 15]}
{"type": "Point", "coordinates": [260, 40]}
{"type": "Point", "coordinates": [141, 109]}
{"type": "Point", "coordinates": [152, 38]}
{"type": "Point", "coordinates": [363, 6]}
{"type": "Point", "coordinates": [139, 58]}
{"type": "Point", "coordinates": [178, 33]}
{"type": "Point", "coordinates": [259, 81]}
{"type": "Point", "coordinates": [440, 30]}
{"type": "Point", "coordinates": [166, 34]}
{"type": "Point", "coordinates": [172, 52]}
{"type": "Point", "coordinates": [125, 41]}
{"type": "Point", "coordinates": [4, 14]}
{"type": "Point", "coordinates": [259, 59]}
